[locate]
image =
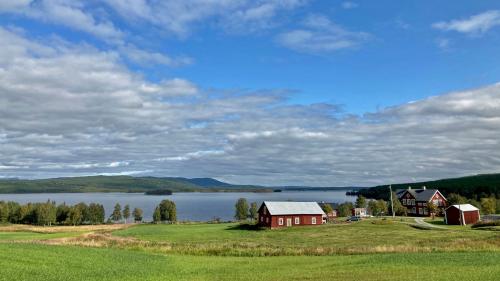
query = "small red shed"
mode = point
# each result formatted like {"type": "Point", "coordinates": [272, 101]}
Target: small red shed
{"type": "Point", "coordinates": [286, 214]}
{"type": "Point", "coordinates": [462, 214]}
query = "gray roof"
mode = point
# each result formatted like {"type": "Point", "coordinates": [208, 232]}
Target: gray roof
{"type": "Point", "coordinates": [293, 208]}
{"type": "Point", "coordinates": [419, 194]}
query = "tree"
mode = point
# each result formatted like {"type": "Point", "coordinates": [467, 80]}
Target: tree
{"type": "Point", "coordinates": [345, 209]}
{"type": "Point", "coordinates": [4, 212]}
{"type": "Point", "coordinates": [157, 215]}
{"type": "Point", "coordinates": [126, 212]}
{"type": "Point", "coordinates": [361, 202]}
{"type": "Point", "coordinates": [95, 213]}
{"type": "Point", "coordinates": [168, 211]}
{"type": "Point", "coordinates": [75, 215]}
{"type": "Point", "coordinates": [241, 207]}
{"type": "Point", "coordinates": [399, 209]}
{"type": "Point", "coordinates": [62, 213]}
{"type": "Point", "coordinates": [327, 208]}
{"type": "Point", "coordinates": [488, 205]}
{"type": "Point", "coordinates": [253, 211]}
{"type": "Point", "coordinates": [454, 198]}
{"type": "Point", "coordinates": [117, 213]}
{"type": "Point", "coordinates": [137, 213]}
{"type": "Point", "coordinates": [14, 208]}
{"type": "Point", "coordinates": [378, 207]}
{"type": "Point", "coordinates": [382, 205]}
{"type": "Point", "coordinates": [432, 208]}
{"type": "Point", "coordinates": [84, 210]}
{"type": "Point", "coordinates": [45, 213]}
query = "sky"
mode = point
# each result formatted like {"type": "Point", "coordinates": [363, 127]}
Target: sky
{"type": "Point", "coordinates": [277, 92]}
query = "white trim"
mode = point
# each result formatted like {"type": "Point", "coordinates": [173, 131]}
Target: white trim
{"type": "Point", "coordinates": [297, 220]}
{"type": "Point", "coordinates": [313, 220]}
{"type": "Point", "coordinates": [280, 221]}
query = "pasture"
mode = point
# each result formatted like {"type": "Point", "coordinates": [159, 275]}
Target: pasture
{"type": "Point", "coordinates": [368, 250]}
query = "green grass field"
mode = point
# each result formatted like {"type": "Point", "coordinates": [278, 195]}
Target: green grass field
{"type": "Point", "coordinates": [67, 263]}
{"type": "Point", "coordinates": [367, 250]}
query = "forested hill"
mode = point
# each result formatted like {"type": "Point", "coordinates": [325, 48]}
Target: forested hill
{"type": "Point", "coordinates": [470, 187]}
{"type": "Point", "coordinates": [119, 184]}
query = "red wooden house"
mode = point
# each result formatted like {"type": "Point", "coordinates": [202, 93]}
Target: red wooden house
{"type": "Point", "coordinates": [287, 214]}
{"type": "Point", "coordinates": [462, 214]}
{"type": "Point", "coordinates": [416, 200]}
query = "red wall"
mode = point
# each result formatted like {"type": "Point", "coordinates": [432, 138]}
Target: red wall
{"type": "Point", "coordinates": [274, 220]}
{"type": "Point", "coordinates": [453, 216]}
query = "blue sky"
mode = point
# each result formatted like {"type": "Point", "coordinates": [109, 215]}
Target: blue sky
{"type": "Point", "coordinates": [401, 60]}
{"type": "Point", "coordinates": [224, 64]}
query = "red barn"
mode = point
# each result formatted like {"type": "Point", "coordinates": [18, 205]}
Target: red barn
{"type": "Point", "coordinates": [287, 214]}
{"type": "Point", "coordinates": [462, 214]}
{"type": "Point", "coordinates": [416, 200]}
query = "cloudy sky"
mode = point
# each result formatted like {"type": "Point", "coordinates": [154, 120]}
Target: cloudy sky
{"type": "Point", "coordinates": [278, 92]}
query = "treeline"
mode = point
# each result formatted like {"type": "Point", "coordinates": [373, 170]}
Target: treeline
{"type": "Point", "coordinates": [472, 187]}
{"type": "Point", "coordinates": [49, 213]}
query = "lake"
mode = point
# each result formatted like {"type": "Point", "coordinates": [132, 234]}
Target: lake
{"type": "Point", "coordinates": [191, 206]}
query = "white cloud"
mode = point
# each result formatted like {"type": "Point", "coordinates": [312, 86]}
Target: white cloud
{"type": "Point", "coordinates": [180, 17]}
{"type": "Point", "coordinates": [443, 43]}
{"type": "Point", "coordinates": [73, 110]}
{"type": "Point", "coordinates": [349, 5]}
{"type": "Point", "coordinates": [147, 58]}
{"type": "Point", "coordinates": [320, 35]}
{"type": "Point", "coordinates": [477, 24]}
{"type": "Point", "coordinates": [13, 5]}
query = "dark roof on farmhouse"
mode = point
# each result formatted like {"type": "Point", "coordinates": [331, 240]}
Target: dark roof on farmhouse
{"type": "Point", "coordinates": [293, 208]}
{"type": "Point", "coordinates": [419, 194]}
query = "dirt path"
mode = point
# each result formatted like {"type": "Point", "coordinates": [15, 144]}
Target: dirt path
{"type": "Point", "coordinates": [420, 221]}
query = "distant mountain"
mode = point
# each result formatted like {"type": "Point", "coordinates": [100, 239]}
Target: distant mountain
{"type": "Point", "coordinates": [470, 186]}
{"type": "Point", "coordinates": [206, 182]}
{"type": "Point", "coordinates": [120, 184]}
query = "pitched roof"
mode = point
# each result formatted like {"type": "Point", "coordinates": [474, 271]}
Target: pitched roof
{"type": "Point", "coordinates": [464, 207]}
{"type": "Point", "coordinates": [419, 194]}
{"type": "Point", "coordinates": [293, 208]}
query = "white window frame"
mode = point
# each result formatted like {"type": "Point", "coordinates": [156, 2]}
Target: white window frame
{"type": "Point", "coordinates": [404, 201]}
{"type": "Point", "coordinates": [297, 220]}
{"type": "Point", "coordinates": [280, 221]}
{"type": "Point", "coordinates": [267, 219]}
{"type": "Point", "coordinates": [313, 220]}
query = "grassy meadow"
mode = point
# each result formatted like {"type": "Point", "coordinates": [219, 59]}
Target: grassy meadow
{"type": "Point", "coordinates": [368, 250]}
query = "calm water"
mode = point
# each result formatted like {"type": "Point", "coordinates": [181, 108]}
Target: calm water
{"type": "Point", "coordinates": [190, 206]}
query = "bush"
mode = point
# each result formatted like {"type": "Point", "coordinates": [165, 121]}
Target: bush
{"type": "Point", "coordinates": [485, 224]}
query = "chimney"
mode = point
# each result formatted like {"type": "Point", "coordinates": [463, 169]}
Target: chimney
{"type": "Point", "coordinates": [409, 187]}
{"type": "Point", "coordinates": [423, 187]}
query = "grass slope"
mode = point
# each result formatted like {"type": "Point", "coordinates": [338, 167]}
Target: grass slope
{"type": "Point", "coordinates": [43, 263]}
{"type": "Point", "coordinates": [370, 236]}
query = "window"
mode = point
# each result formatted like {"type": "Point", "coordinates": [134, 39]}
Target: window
{"type": "Point", "coordinates": [313, 220]}
{"type": "Point", "coordinates": [267, 220]}
{"type": "Point", "coordinates": [280, 221]}
{"type": "Point", "coordinates": [425, 211]}
{"type": "Point", "coordinates": [265, 210]}
{"type": "Point", "coordinates": [413, 202]}
{"type": "Point", "coordinates": [420, 211]}
{"type": "Point", "coordinates": [413, 210]}
{"type": "Point", "coordinates": [297, 220]}
{"type": "Point", "coordinates": [261, 219]}
{"type": "Point", "coordinates": [436, 202]}
{"type": "Point", "coordinates": [404, 201]}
